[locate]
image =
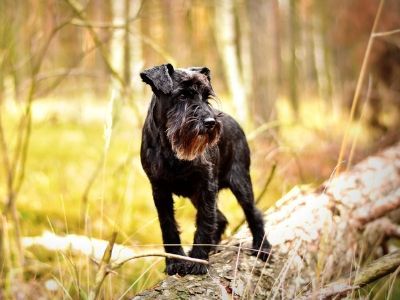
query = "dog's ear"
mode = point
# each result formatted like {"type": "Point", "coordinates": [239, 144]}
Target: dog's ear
{"type": "Point", "coordinates": [203, 70]}
{"type": "Point", "coordinates": [159, 78]}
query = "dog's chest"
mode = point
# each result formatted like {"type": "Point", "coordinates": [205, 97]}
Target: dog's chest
{"type": "Point", "coordinates": [184, 178]}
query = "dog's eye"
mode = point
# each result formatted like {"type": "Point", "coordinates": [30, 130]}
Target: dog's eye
{"type": "Point", "coordinates": [183, 96]}
{"type": "Point", "coordinates": [186, 95]}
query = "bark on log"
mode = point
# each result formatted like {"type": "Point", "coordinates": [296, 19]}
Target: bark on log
{"type": "Point", "coordinates": [317, 237]}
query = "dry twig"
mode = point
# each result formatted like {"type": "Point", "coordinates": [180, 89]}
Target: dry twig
{"type": "Point", "coordinates": [104, 269]}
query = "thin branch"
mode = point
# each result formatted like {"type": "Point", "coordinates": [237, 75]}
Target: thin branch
{"type": "Point", "coordinates": [20, 155]}
{"type": "Point", "coordinates": [103, 52]}
{"type": "Point", "coordinates": [265, 127]}
{"type": "Point", "coordinates": [104, 268]}
{"type": "Point", "coordinates": [71, 67]}
{"type": "Point", "coordinates": [65, 72]}
{"type": "Point", "coordinates": [103, 25]}
{"type": "Point", "coordinates": [157, 48]}
{"type": "Point", "coordinates": [386, 33]}
{"type": "Point", "coordinates": [377, 269]}
{"type": "Point", "coordinates": [168, 255]}
{"type": "Point", "coordinates": [4, 151]}
{"type": "Point", "coordinates": [354, 143]}
{"type": "Point", "coordinates": [75, 6]}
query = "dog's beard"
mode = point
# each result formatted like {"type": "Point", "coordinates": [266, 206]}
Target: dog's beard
{"type": "Point", "coordinates": [188, 141]}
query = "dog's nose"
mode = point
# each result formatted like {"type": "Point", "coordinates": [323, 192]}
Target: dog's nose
{"type": "Point", "coordinates": [209, 123]}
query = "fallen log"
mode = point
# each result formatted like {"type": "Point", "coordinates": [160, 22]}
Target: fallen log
{"type": "Point", "coordinates": [317, 237]}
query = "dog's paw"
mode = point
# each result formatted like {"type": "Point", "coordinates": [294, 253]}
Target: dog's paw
{"type": "Point", "coordinates": [193, 268]}
{"type": "Point", "coordinates": [185, 268]}
{"type": "Point", "coordinates": [173, 266]}
{"type": "Point", "coordinates": [261, 251]}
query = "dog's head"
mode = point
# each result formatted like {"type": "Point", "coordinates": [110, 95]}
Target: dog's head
{"type": "Point", "coordinates": [183, 110]}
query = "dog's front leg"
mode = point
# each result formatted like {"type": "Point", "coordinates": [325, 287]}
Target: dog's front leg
{"type": "Point", "coordinates": [205, 202]}
{"type": "Point", "coordinates": [170, 234]}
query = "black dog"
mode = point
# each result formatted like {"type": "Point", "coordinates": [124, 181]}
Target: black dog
{"type": "Point", "coordinates": [193, 150]}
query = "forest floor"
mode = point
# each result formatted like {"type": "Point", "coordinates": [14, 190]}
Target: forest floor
{"type": "Point", "coordinates": [77, 184]}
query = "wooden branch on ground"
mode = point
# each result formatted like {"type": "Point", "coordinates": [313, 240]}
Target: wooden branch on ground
{"type": "Point", "coordinates": [379, 268]}
{"type": "Point", "coordinates": [318, 237]}
{"type": "Point", "coordinates": [375, 270]}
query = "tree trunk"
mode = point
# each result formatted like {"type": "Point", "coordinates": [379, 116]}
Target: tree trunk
{"type": "Point", "coordinates": [322, 50]}
{"type": "Point", "coordinates": [293, 44]}
{"type": "Point", "coordinates": [265, 54]}
{"type": "Point", "coordinates": [226, 41]}
{"type": "Point", "coordinates": [133, 44]}
{"type": "Point", "coordinates": [119, 43]}
{"type": "Point", "coordinates": [317, 236]}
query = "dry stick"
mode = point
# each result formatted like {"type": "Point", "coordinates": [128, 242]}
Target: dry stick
{"type": "Point", "coordinates": [104, 268]}
{"type": "Point", "coordinates": [259, 197]}
{"type": "Point", "coordinates": [100, 25]}
{"type": "Point", "coordinates": [358, 87]}
{"type": "Point", "coordinates": [103, 25]}
{"type": "Point", "coordinates": [386, 33]}
{"type": "Point", "coordinates": [377, 269]}
{"type": "Point", "coordinates": [168, 255]}
{"type": "Point", "coordinates": [355, 140]}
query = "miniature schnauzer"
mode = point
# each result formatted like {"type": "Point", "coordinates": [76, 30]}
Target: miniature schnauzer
{"type": "Point", "coordinates": [192, 150]}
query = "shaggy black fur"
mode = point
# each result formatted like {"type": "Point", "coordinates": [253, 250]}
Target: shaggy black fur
{"type": "Point", "coordinates": [193, 150]}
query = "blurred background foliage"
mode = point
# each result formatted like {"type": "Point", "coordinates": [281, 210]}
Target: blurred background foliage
{"type": "Point", "coordinates": [72, 106]}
